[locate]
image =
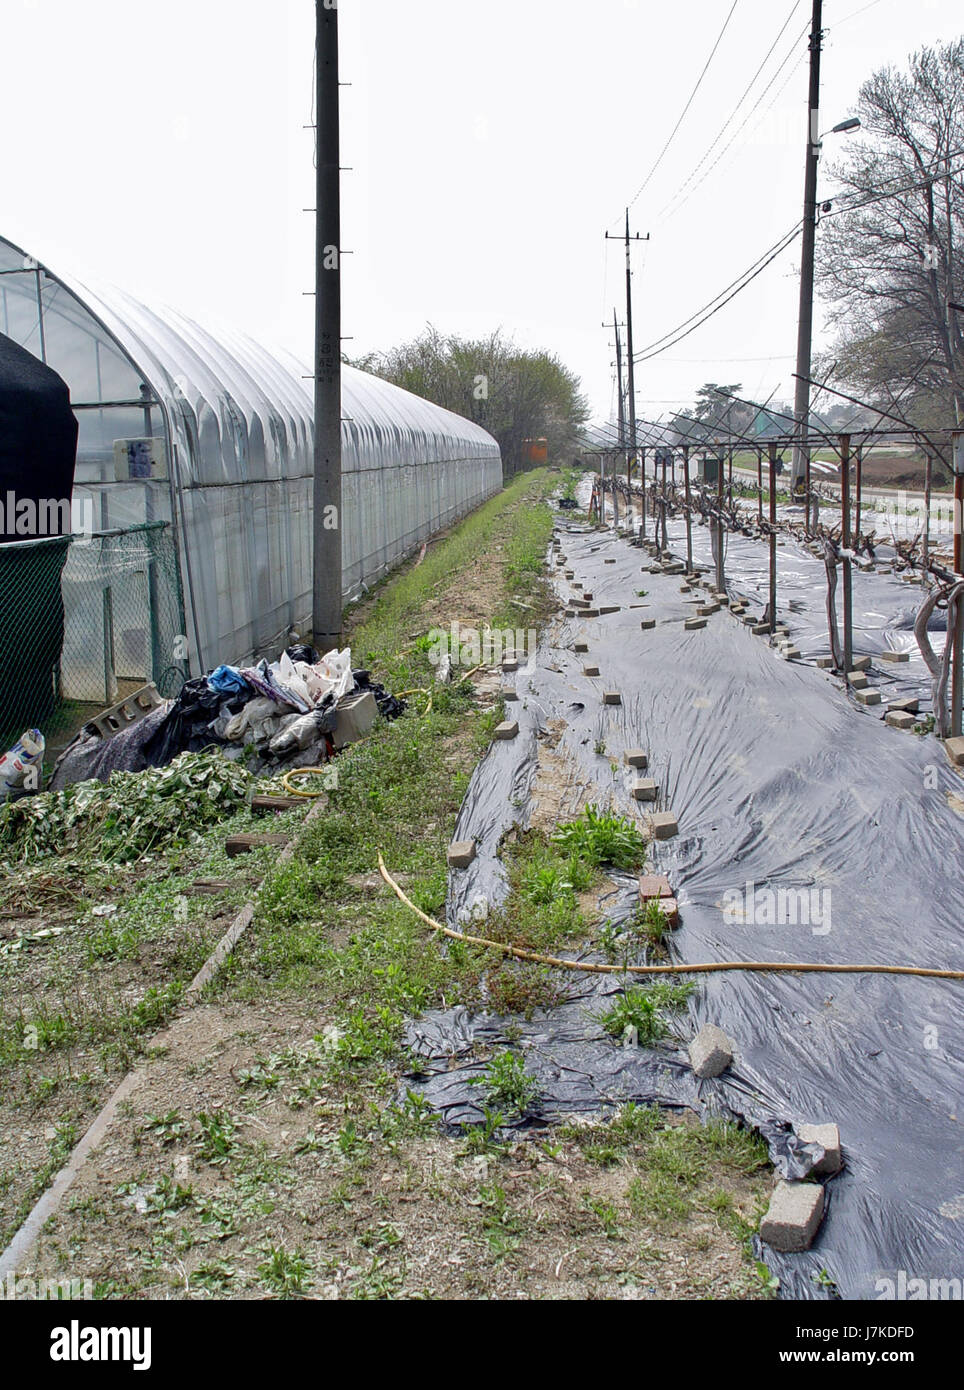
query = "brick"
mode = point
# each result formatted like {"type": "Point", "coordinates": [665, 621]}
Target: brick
{"type": "Point", "coordinates": [590, 612]}
{"type": "Point", "coordinates": [612, 697]}
{"type": "Point", "coordinates": [899, 719]}
{"type": "Point", "coordinates": [858, 680]}
{"type": "Point", "coordinates": [749, 619]}
{"type": "Point", "coordinates": [647, 623]}
{"type": "Point", "coordinates": [911, 706]}
{"type": "Point", "coordinates": [609, 562]}
{"type": "Point", "coordinates": [507, 729]}
{"type": "Point", "coordinates": [664, 825]}
{"type": "Point", "coordinates": [590, 670]}
{"type": "Point", "coordinates": [705, 610]}
{"type": "Point", "coordinates": [760, 629]}
{"type": "Point", "coordinates": [893, 656]}
{"type": "Point", "coordinates": [861, 663]}
{"type": "Point", "coordinates": [711, 1051]}
{"type": "Point", "coordinates": [509, 693]}
{"type": "Point", "coordinates": [954, 748]}
{"type": "Point", "coordinates": [636, 757]}
{"type": "Point", "coordinates": [824, 663]}
{"type": "Point", "coordinates": [609, 608]}
{"type": "Point", "coordinates": [867, 697]}
{"type": "Point", "coordinates": [510, 665]}
{"type": "Point", "coordinates": [460, 854]}
{"type": "Point", "coordinates": [645, 789]}
{"type": "Point", "coordinates": [692, 624]}
{"type": "Point", "coordinates": [793, 1216]}
{"type": "Point", "coordinates": [580, 646]}
{"type": "Point", "coordinates": [654, 886]}
{"type": "Point", "coordinates": [828, 1137]}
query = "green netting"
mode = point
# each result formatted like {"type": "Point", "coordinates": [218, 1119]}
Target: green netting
{"type": "Point", "coordinates": [84, 621]}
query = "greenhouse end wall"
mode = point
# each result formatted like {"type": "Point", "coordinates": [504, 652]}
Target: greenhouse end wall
{"type": "Point", "coordinates": [228, 428]}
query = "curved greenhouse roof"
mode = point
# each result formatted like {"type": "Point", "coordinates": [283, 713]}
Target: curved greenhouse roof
{"type": "Point", "coordinates": [227, 427]}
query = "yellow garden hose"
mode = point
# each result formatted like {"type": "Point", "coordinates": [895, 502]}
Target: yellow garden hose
{"type": "Point", "coordinates": [289, 777]}
{"type": "Point", "coordinates": [706, 967]}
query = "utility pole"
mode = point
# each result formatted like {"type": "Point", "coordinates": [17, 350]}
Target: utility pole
{"type": "Point", "coordinates": [326, 506]}
{"type": "Point", "coordinates": [631, 374]}
{"type": "Point", "coordinates": [619, 385]}
{"type": "Point", "coordinates": [801, 403]}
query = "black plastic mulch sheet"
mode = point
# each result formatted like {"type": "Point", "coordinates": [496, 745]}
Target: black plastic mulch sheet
{"type": "Point", "coordinates": [779, 781]}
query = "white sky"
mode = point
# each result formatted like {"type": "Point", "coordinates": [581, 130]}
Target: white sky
{"type": "Point", "coordinates": [162, 148]}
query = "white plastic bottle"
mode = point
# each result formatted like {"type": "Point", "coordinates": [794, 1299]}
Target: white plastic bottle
{"type": "Point", "coordinates": [18, 762]}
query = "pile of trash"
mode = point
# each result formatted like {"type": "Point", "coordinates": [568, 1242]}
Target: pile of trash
{"type": "Point", "coordinates": [296, 711]}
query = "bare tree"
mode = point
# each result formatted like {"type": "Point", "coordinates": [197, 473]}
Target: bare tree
{"type": "Point", "coordinates": [888, 253]}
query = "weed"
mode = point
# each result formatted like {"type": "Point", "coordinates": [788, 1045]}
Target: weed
{"type": "Point", "coordinates": [285, 1272]}
{"type": "Point", "coordinates": [600, 838]}
{"type": "Point", "coordinates": [507, 1083]}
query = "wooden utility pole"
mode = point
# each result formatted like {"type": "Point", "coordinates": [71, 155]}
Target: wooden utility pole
{"type": "Point", "coordinates": [327, 517]}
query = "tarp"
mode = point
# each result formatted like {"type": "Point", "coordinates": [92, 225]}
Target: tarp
{"type": "Point", "coordinates": [778, 780]}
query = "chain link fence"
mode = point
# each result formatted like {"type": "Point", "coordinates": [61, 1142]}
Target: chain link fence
{"type": "Point", "coordinates": [84, 621]}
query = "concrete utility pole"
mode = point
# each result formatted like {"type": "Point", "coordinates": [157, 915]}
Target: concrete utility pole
{"type": "Point", "coordinates": [619, 385]}
{"type": "Point", "coordinates": [327, 519]}
{"type": "Point", "coordinates": [631, 373]}
{"type": "Point", "coordinates": [801, 403]}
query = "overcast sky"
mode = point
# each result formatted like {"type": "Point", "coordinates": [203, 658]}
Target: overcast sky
{"type": "Point", "coordinates": [491, 145]}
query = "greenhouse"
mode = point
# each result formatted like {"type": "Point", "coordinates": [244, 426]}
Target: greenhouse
{"type": "Point", "coordinates": [194, 462]}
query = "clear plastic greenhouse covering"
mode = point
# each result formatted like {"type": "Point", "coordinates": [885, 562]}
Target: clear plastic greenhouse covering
{"type": "Point", "coordinates": [223, 431]}
{"type": "Point", "coordinates": [778, 781]}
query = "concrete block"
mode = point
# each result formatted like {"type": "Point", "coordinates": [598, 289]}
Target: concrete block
{"type": "Point", "coordinates": [609, 562]}
{"type": "Point", "coordinates": [664, 825]}
{"type": "Point", "coordinates": [867, 697]}
{"type": "Point", "coordinates": [793, 1216]}
{"type": "Point", "coordinates": [899, 719]}
{"type": "Point", "coordinates": [580, 646]}
{"type": "Point", "coordinates": [894, 656]}
{"type": "Point", "coordinates": [356, 715]}
{"type": "Point", "coordinates": [749, 619]}
{"type": "Point", "coordinates": [510, 693]}
{"type": "Point", "coordinates": [654, 886]}
{"type": "Point", "coordinates": [644, 789]}
{"type": "Point", "coordinates": [711, 1051]}
{"type": "Point", "coordinates": [590, 670]}
{"type": "Point", "coordinates": [828, 1137]}
{"type": "Point", "coordinates": [510, 664]}
{"type": "Point", "coordinates": [636, 757]}
{"type": "Point", "coordinates": [608, 608]}
{"type": "Point", "coordinates": [508, 729]}
{"type": "Point", "coordinates": [647, 623]}
{"type": "Point", "coordinates": [590, 612]}
{"type": "Point", "coordinates": [760, 629]}
{"type": "Point", "coordinates": [691, 624]}
{"type": "Point", "coordinates": [460, 854]}
{"type": "Point", "coordinates": [954, 748]}
{"type": "Point", "coordinates": [569, 574]}
{"type": "Point", "coordinates": [675, 567]}
{"type": "Point", "coordinates": [706, 610]}
{"type": "Point", "coordinates": [824, 663]}
{"type": "Point", "coordinates": [790, 652]}
{"type": "Point", "coordinates": [612, 697]}
{"type": "Point", "coordinates": [911, 706]}
{"type": "Point", "coordinates": [858, 680]}
{"type": "Point", "coordinates": [861, 663]}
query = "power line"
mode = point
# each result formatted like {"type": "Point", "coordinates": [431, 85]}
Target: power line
{"type": "Point", "coordinates": [739, 283]}
{"type": "Point", "coordinates": [672, 211]}
{"type": "Point", "coordinates": [719, 135]}
{"type": "Point", "coordinates": [689, 103]}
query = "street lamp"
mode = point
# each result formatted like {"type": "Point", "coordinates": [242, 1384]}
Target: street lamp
{"type": "Point", "coordinates": [801, 403]}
